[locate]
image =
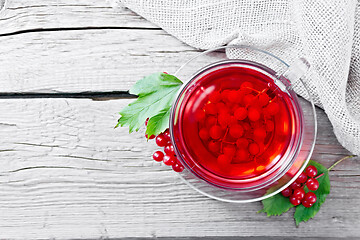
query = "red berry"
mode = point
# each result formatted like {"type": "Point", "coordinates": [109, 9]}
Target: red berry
{"type": "Point", "coordinates": [215, 132]}
{"type": "Point", "coordinates": [177, 167]}
{"type": "Point", "coordinates": [215, 97]}
{"type": "Point", "coordinates": [311, 171]}
{"type": "Point", "coordinates": [203, 134]}
{"type": "Point", "coordinates": [302, 178]}
{"type": "Point", "coordinates": [253, 114]}
{"type": "Point", "coordinates": [294, 200]}
{"type": "Point", "coordinates": [273, 108]}
{"type": "Point", "coordinates": [158, 156]}
{"type": "Point", "coordinates": [222, 108]}
{"type": "Point", "coordinates": [242, 142]}
{"type": "Point", "coordinates": [210, 121]}
{"type": "Point", "coordinates": [247, 87]}
{"type": "Point", "coordinates": [263, 99]}
{"type": "Point", "coordinates": [240, 113]}
{"type": "Point", "coordinates": [224, 159]}
{"type": "Point", "coordinates": [295, 185]}
{"type": "Point", "coordinates": [312, 184]}
{"type": "Point", "coordinates": [146, 121]}
{"type": "Point", "coordinates": [169, 160]}
{"type": "Point", "coordinates": [232, 96]}
{"type": "Point", "coordinates": [306, 203]}
{"type": "Point", "coordinates": [242, 155]}
{"type": "Point", "coordinates": [248, 99]}
{"type": "Point", "coordinates": [160, 140]}
{"type": "Point", "coordinates": [224, 119]}
{"type": "Point", "coordinates": [224, 94]}
{"type": "Point", "coordinates": [229, 150]}
{"type": "Point", "coordinates": [169, 150]}
{"type": "Point", "coordinates": [254, 148]}
{"type": "Point", "coordinates": [167, 135]}
{"type": "Point", "coordinates": [236, 131]}
{"type": "Point", "coordinates": [310, 197]}
{"type": "Point", "coordinates": [214, 146]}
{"type": "Point", "coordinates": [286, 192]}
{"type": "Point", "coordinates": [151, 137]}
{"type": "Point", "coordinates": [259, 134]}
{"type": "Point", "coordinates": [299, 193]}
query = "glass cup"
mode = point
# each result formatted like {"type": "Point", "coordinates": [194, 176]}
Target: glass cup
{"type": "Point", "coordinates": [263, 180]}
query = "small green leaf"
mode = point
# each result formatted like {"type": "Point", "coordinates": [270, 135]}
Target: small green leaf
{"type": "Point", "coordinates": [156, 94]}
{"type": "Point", "coordinates": [276, 205]}
{"type": "Point", "coordinates": [158, 123]}
{"type": "Point", "coordinates": [304, 214]}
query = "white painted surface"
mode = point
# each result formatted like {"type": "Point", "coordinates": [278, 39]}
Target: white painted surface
{"type": "Point", "coordinates": [66, 173]}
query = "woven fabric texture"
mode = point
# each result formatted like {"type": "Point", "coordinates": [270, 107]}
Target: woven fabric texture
{"type": "Point", "coordinates": [326, 33]}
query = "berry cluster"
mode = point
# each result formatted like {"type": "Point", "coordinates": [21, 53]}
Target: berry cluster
{"type": "Point", "coordinates": [235, 124]}
{"type": "Point", "coordinates": [296, 192]}
{"type": "Point", "coordinates": [168, 157]}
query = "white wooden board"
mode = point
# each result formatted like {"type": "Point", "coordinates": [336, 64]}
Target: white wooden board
{"type": "Point", "coordinates": [66, 173]}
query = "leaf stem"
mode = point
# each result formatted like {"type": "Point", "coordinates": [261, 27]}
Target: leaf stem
{"type": "Point", "coordinates": [339, 161]}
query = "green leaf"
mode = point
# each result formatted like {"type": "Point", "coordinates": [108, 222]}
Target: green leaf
{"type": "Point", "coordinates": [156, 94]}
{"type": "Point", "coordinates": [304, 214]}
{"type": "Point", "coordinates": [276, 205]}
{"type": "Point", "coordinates": [159, 122]}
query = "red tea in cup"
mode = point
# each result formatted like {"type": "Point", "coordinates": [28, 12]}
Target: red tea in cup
{"type": "Point", "coordinates": [235, 124]}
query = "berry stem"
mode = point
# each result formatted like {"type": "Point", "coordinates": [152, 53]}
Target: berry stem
{"type": "Point", "coordinates": [339, 161]}
{"type": "Point", "coordinates": [319, 176]}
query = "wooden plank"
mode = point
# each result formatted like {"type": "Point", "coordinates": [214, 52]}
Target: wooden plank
{"type": "Point", "coordinates": [66, 173]}
{"type": "Point", "coordinates": [34, 14]}
{"type": "Point", "coordinates": [91, 60]}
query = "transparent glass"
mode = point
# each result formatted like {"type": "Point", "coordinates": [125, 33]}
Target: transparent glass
{"type": "Point", "coordinates": [295, 157]}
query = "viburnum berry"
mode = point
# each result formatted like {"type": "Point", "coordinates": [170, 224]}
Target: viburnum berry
{"type": "Point", "coordinates": [169, 160]}
{"type": "Point", "coordinates": [302, 178]}
{"type": "Point", "coordinates": [169, 149]}
{"type": "Point", "coordinates": [299, 193]}
{"type": "Point", "coordinates": [151, 137]}
{"type": "Point", "coordinates": [287, 192]}
{"type": "Point", "coordinates": [254, 148]}
{"type": "Point", "coordinates": [294, 200]}
{"type": "Point", "coordinates": [204, 134]}
{"type": "Point", "coordinates": [210, 108]}
{"type": "Point", "coordinates": [167, 135]}
{"type": "Point", "coordinates": [312, 184]}
{"type": "Point", "coordinates": [253, 114]}
{"type": "Point", "coordinates": [269, 126]}
{"type": "Point", "coordinates": [214, 146]}
{"type": "Point", "coordinates": [229, 150]}
{"type": "Point", "coordinates": [295, 185]}
{"type": "Point", "coordinates": [310, 197]}
{"type": "Point", "coordinates": [240, 113]}
{"type": "Point", "coordinates": [158, 156]}
{"type": "Point", "coordinates": [311, 171]}
{"type": "Point", "coordinates": [160, 140]}
{"type": "Point", "coordinates": [215, 97]}
{"type": "Point", "coordinates": [242, 142]}
{"type": "Point", "coordinates": [306, 204]}
{"type": "Point", "coordinates": [177, 167]}
{"type": "Point", "coordinates": [263, 99]}
{"type": "Point", "coordinates": [236, 131]}
{"type": "Point", "coordinates": [247, 87]}
{"type": "Point", "coordinates": [215, 132]}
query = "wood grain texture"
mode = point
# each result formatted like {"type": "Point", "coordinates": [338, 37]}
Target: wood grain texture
{"type": "Point", "coordinates": [66, 173]}
{"type": "Point", "coordinates": [67, 46]}
{"type": "Point", "coordinates": [91, 60]}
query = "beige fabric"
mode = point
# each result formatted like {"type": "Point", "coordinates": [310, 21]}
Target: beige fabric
{"type": "Point", "coordinates": [326, 33]}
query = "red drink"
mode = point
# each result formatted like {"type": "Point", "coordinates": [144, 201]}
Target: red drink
{"type": "Point", "coordinates": [235, 125]}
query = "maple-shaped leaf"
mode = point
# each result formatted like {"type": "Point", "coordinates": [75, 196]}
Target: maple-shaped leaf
{"type": "Point", "coordinates": [276, 205]}
{"type": "Point", "coordinates": [156, 94]}
{"type": "Point", "coordinates": [304, 214]}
